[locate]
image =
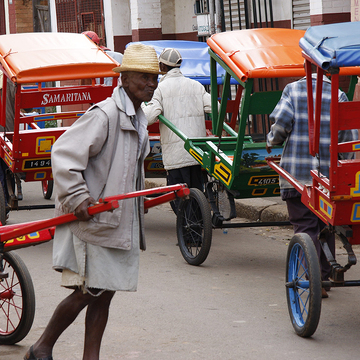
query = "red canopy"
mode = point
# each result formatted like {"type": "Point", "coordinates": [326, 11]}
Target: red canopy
{"type": "Point", "coordinates": [41, 57]}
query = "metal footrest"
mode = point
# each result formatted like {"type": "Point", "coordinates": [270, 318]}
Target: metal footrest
{"type": "Point", "coordinates": [3, 275]}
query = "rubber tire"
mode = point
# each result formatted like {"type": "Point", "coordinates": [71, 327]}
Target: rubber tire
{"type": "Point", "coordinates": [198, 229]}
{"type": "Point", "coordinates": [22, 317]}
{"type": "Point", "coordinates": [3, 216]}
{"type": "Point", "coordinates": [303, 290]}
{"type": "Point", "coordinates": [47, 188]}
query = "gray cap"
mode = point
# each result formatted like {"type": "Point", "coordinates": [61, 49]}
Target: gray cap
{"type": "Point", "coordinates": [170, 57]}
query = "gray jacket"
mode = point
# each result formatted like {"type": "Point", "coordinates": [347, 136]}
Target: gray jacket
{"type": "Point", "coordinates": [97, 156]}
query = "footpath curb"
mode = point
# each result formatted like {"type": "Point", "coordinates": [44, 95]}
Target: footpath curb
{"type": "Point", "coordinates": [262, 209]}
{"type": "Point", "coordinates": [256, 209]}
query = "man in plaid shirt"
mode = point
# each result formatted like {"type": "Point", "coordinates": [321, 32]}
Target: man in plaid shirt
{"type": "Point", "coordinates": [290, 128]}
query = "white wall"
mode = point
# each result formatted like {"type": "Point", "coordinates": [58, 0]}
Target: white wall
{"type": "Point", "coordinates": [168, 16]}
{"type": "Point", "coordinates": [282, 10]}
{"type": "Point", "coordinates": [185, 17]}
{"type": "Point", "coordinates": [329, 6]}
{"type": "Point", "coordinates": [145, 14]}
{"type": "Point", "coordinates": [117, 20]}
{"type": "Point", "coordinates": [52, 15]}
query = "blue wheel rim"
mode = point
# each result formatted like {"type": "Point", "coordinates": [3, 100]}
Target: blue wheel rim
{"type": "Point", "coordinates": [299, 293]}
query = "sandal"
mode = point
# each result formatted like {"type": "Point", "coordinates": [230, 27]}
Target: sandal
{"type": "Point", "coordinates": [30, 355]}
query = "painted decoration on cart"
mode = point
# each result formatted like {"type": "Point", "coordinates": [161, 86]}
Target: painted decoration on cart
{"type": "Point", "coordinates": [31, 164]}
{"type": "Point", "coordinates": [356, 147]}
{"type": "Point", "coordinates": [264, 180]}
{"type": "Point", "coordinates": [355, 191]}
{"type": "Point", "coordinates": [40, 176]}
{"type": "Point", "coordinates": [44, 144]}
{"type": "Point", "coordinates": [223, 173]}
{"type": "Point", "coordinates": [355, 213]}
{"type": "Point", "coordinates": [8, 160]}
{"type": "Point", "coordinates": [326, 208]}
{"type": "Point", "coordinates": [26, 238]}
{"type": "Point", "coordinates": [196, 156]}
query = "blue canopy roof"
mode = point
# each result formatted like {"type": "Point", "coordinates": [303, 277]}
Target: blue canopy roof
{"type": "Point", "coordinates": [333, 45]}
{"type": "Point", "coordinates": [196, 59]}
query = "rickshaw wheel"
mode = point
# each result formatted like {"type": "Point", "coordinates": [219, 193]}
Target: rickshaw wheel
{"type": "Point", "coordinates": [17, 300]}
{"type": "Point", "coordinates": [2, 206]}
{"type": "Point", "coordinates": [47, 188]}
{"type": "Point", "coordinates": [194, 227]}
{"type": "Point", "coordinates": [303, 285]}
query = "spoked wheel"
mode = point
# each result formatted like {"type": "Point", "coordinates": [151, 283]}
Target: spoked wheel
{"type": "Point", "coordinates": [17, 300]}
{"type": "Point", "coordinates": [194, 228]}
{"type": "Point", "coordinates": [303, 285]}
{"type": "Point", "coordinates": [47, 188]}
{"type": "Point", "coordinates": [221, 201]}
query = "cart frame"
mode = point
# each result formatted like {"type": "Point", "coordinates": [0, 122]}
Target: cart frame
{"type": "Point", "coordinates": [335, 199]}
{"type": "Point", "coordinates": [74, 69]}
{"type": "Point", "coordinates": [17, 296]}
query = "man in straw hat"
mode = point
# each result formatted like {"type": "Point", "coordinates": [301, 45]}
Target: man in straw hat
{"type": "Point", "coordinates": [182, 101]}
{"type": "Point", "coordinates": [101, 154]}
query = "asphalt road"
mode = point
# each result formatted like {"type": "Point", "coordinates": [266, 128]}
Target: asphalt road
{"type": "Point", "coordinates": [232, 307]}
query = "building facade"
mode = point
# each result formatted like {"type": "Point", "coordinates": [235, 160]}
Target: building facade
{"type": "Point", "coordinates": [118, 22]}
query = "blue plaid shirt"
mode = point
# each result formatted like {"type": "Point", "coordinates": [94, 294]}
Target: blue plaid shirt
{"type": "Point", "coordinates": [290, 126]}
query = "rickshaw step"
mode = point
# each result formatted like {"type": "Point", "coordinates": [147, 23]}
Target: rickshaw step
{"type": "Point", "coordinates": [33, 207]}
{"type": "Point", "coordinates": [3, 275]}
{"type": "Point", "coordinates": [253, 224]}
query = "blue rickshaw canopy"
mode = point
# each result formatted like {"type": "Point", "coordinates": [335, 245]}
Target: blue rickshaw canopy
{"type": "Point", "coordinates": [196, 58]}
{"type": "Point", "coordinates": [333, 45]}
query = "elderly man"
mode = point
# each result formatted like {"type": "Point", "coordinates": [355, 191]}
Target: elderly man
{"type": "Point", "coordinates": [101, 154]}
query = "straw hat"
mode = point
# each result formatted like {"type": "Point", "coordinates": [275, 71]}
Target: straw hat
{"type": "Point", "coordinates": [139, 58]}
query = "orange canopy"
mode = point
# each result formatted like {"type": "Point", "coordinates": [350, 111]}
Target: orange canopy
{"type": "Point", "coordinates": [38, 57]}
{"type": "Point", "coordinates": [260, 53]}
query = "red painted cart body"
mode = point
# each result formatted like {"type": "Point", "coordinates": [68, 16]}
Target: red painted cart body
{"type": "Point", "coordinates": [61, 60]}
{"type": "Point", "coordinates": [334, 199]}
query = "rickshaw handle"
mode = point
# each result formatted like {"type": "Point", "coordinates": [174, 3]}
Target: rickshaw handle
{"type": "Point", "coordinates": [107, 204]}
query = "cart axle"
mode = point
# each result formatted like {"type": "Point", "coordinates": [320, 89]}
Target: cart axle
{"type": "Point", "coordinates": [7, 295]}
{"type": "Point", "coordinates": [347, 283]}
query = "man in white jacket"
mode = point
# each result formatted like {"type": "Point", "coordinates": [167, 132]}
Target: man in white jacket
{"type": "Point", "coordinates": [182, 101]}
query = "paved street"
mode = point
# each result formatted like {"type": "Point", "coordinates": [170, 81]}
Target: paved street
{"type": "Point", "coordinates": [232, 307]}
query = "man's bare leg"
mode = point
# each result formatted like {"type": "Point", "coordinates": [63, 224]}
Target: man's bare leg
{"type": "Point", "coordinates": [64, 315]}
{"type": "Point", "coordinates": [95, 322]}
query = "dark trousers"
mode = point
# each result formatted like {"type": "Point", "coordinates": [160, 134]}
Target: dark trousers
{"type": "Point", "coordinates": [190, 175]}
{"type": "Point", "coordinates": [3, 168]}
{"type": "Point", "coordinates": [305, 221]}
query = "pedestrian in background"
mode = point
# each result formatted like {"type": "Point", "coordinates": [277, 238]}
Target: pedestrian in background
{"type": "Point", "coordinates": [183, 102]}
{"type": "Point", "coordinates": [117, 56]}
{"type": "Point", "coordinates": [290, 127]}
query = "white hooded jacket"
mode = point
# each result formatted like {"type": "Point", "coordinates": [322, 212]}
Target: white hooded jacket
{"type": "Point", "coordinates": [182, 101]}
